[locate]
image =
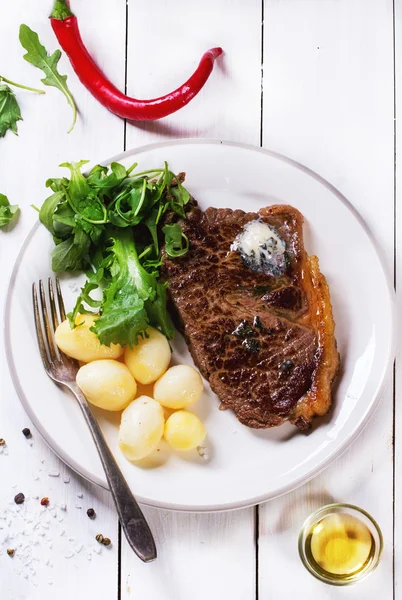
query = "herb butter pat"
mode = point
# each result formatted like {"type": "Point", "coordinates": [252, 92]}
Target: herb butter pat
{"type": "Point", "coordinates": [261, 248]}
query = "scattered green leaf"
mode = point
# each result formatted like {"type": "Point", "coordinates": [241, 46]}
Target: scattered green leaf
{"type": "Point", "coordinates": [9, 111]}
{"type": "Point", "coordinates": [38, 56]}
{"type": "Point", "coordinates": [8, 212]}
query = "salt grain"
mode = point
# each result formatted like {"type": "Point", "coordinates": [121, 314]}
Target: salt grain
{"type": "Point", "coordinates": [203, 452]}
{"type": "Point", "coordinates": [63, 506]}
{"type": "Point", "coordinates": [53, 473]}
{"type": "Point", "coordinates": [80, 494]}
{"type": "Point", "coordinates": [69, 554]}
{"type": "Point", "coordinates": [66, 480]}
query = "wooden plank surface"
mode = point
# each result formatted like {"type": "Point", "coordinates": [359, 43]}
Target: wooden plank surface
{"type": "Point", "coordinates": [65, 561]}
{"type": "Point", "coordinates": [199, 554]}
{"type": "Point", "coordinates": [398, 281]}
{"type": "Point", "coordinates": [328, 103]}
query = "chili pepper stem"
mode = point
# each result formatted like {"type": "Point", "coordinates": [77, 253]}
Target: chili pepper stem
{"type": "Point", "coordinates": [19, 85]}
{"type": "Point", "coordinates": [61, 10]}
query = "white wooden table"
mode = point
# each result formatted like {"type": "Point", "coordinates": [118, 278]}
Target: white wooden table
{"type": "Point", "coordinates": [317, 80]}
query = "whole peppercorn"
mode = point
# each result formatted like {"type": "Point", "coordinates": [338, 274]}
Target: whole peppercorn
{"type": "Point", "coordinates": [286, 366]}
{"type": "Point", "coordinates": [91, 513]}
{"type": "Point", "coordinates": [2, 442]}
{"type": "Point", "coordinates": [26, 432]}
{"type": "Point", "coordinates": [45, 501]}
{"type": "Point", "coordinates": [10, 551]}
{"type": "Point", "coordinates": [19, 498]}
{"type": "Point", "coordinates": [99, 538]}
{"type": "Point", "coordinates": [106, 542]}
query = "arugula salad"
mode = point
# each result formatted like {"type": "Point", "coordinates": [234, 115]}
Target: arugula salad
{"type": "Point", "coordinates": [110, 223]}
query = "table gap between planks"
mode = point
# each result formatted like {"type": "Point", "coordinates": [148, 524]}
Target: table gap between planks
{"type": "Point", "coordinates": [313, 80]}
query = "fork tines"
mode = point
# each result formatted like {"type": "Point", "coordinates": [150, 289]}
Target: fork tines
{"type": "Point", "coordinates": [44, 327]}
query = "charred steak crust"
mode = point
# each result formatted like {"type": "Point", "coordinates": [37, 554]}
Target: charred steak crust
{"type": "Point", "coordinates": [259, 339]}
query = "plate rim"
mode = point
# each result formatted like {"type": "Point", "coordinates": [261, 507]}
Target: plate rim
{"type": "Point", "coordinates": [285, 488]}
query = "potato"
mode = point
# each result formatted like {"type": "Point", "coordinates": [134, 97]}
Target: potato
{"type": "Point", "coordinates": [141, 428]}
{"type": "Point", "coordinates": [184, 430]}
{"type": "Point", "coordinates": [150, 358]}
{"type": "Point", "coordinates": [179, 387]}
{"type": "Point", "coordinates": [107, 384]}
{"type": "Point", "coordinates": [81, 343]}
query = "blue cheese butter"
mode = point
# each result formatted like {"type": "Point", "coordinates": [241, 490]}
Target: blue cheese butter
{"type": "Point", "coordinates": [261, 248]}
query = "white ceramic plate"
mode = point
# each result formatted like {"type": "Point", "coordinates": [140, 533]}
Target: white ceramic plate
{"type": "Point", "coordinates": [245, 466]}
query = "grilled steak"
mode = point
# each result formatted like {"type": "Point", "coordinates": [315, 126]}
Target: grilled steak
{"type": "Point", "coordinates": [256, 314]}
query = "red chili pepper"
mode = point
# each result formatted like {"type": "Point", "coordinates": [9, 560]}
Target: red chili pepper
{"type": "Point", "coordinates": [65, 26]}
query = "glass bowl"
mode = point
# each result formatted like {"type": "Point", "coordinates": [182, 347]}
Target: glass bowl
{"type": "Point", "coordinates": [331, 578]}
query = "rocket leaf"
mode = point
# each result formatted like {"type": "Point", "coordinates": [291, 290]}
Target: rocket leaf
{"type": "Point", "coordinates": [37, 55]}
{"type": "Point", "coordinates": [9, 111]}
{"type": "Point", "coordinates": [7, 211]}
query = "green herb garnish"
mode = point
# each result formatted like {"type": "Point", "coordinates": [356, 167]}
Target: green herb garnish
{"type": "Point", "coordinates": [9, 109]}
{"type": "Point", "coordinates": [7, 211]}
{"type": "Point", "coordinates": [38, 56]}
{"type": "Point", "coordinates": [110, 223]}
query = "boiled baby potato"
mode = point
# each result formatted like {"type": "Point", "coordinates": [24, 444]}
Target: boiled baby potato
{"type": "Point", "coordinates": [141, 428]}
{"type": "Point", "coordinates": [107, 384]}
{"type": "Point", "coordinates": [179, 387]}
{"type": "Point", "coordinates": [81, 343]}
{"type": "Point", "coordinates": [184, 430]}
{"type": "Point", "coordinates": [150, 358]}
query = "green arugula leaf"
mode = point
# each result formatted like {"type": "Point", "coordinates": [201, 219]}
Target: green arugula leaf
{"type": "Point", "coordinates": [174, 238]}
{"type": "Point", "coordinates": [72, 253]}
{"type": "Point", "coordinates": [110, 222]}
{"type": "Point", "coordinates": [48, 209]}
{"type": "Point", "coordinates": [7, 211]}
{"type": "Point", "coordinates": [157, 312]}
{"type": "Point", "coordinates": [9, 111]}
{"type": "Point", "coordinates": [37, 55]}
{"type": "Point", "coordinates": [123, 315]}
{"type": "Point", "coordinates": [84, 299]}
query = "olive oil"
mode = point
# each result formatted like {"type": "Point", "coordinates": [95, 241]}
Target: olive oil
{"type": "Point", "coordinates": [340, 547]}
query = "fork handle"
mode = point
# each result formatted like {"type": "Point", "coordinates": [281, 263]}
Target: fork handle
{"type": "Point", "coordinates": [132, 520]}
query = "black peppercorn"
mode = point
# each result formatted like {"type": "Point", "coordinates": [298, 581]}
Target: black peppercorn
{"type": "Point", "coordinates": [19, 498]}
{"type": "Point", "coordinates": [2, 442]}
{"type": "Point", "coordinates": [99, 538]}
{"type": "Point", "coordinates": [91, 513]}
{"type": "Point", "coordinates": [10, 551]}
{"type": "Point", "coordinates": [45, 501]}
{"type": "Point", "coordinates": [26, 432]}
{"type": "Point", "coordinates": [106, 542]}
{"type": "Point", "coordinates": [286, 366]}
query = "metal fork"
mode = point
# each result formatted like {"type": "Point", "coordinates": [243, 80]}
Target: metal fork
{"type": "Point", "coordinates": [63, 370]}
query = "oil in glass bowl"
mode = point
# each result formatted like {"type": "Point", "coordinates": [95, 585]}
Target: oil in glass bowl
{"type": "Point", "coordinates": [340, 544]}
